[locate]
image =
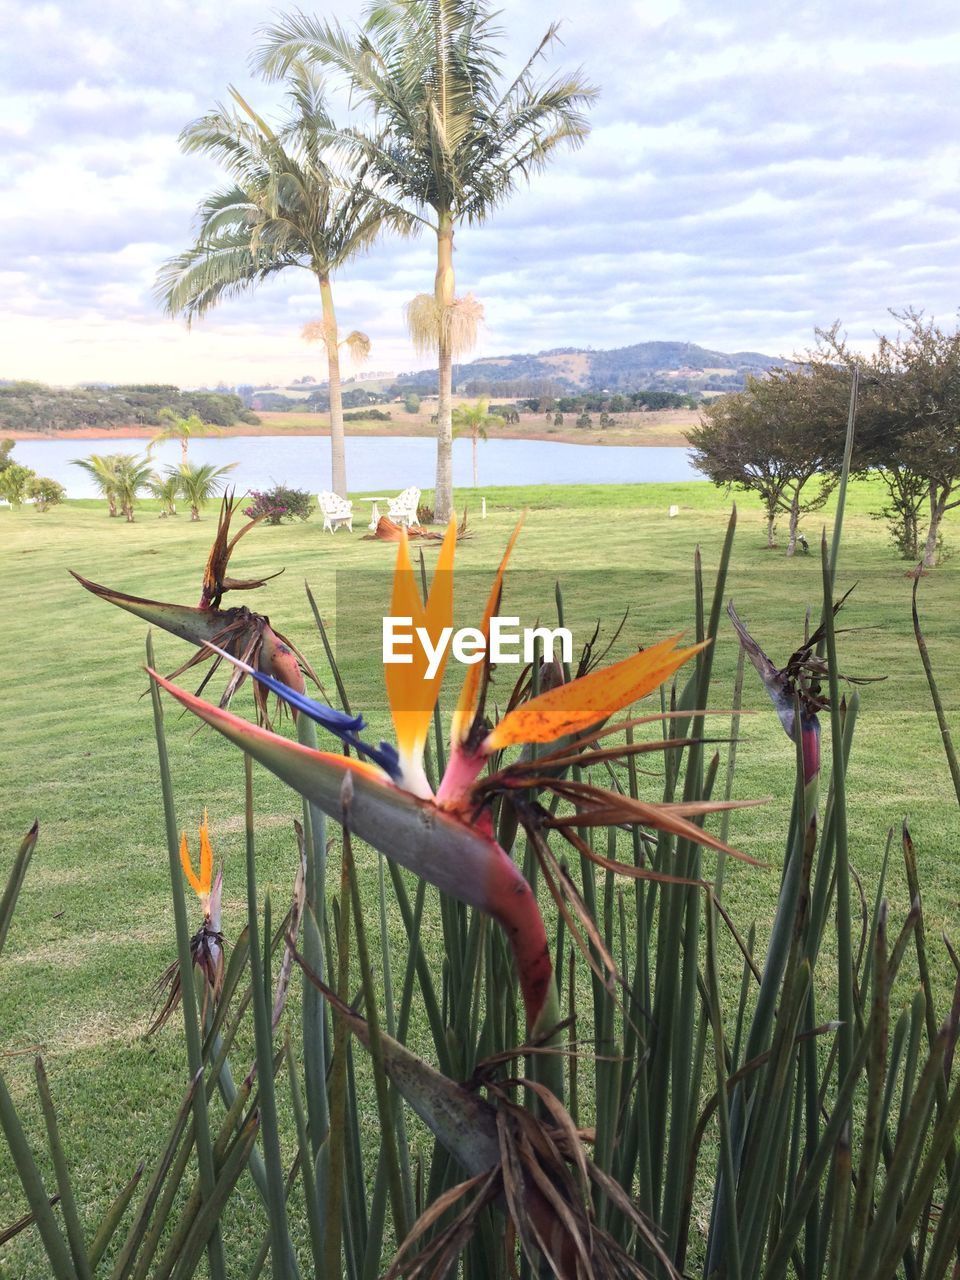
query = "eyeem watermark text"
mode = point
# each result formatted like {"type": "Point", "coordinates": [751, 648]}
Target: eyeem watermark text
{"type": "Point", "coordinates": [508, 643]}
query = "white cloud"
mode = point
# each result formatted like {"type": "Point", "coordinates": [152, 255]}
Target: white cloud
{"type": "Point", "coordinates": [751, 174]}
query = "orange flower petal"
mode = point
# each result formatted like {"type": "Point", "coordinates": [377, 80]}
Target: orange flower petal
{"type": "Point", "coordinates": [584, 702]}
{"type": "Point", "coordinates": [411, 695]}
{"type": "Point", "coordinates": [187, 866]}
{"type": "Point", "coordinates": [470, 693]}
{"type": "Point", "coordinates": [206, 857]}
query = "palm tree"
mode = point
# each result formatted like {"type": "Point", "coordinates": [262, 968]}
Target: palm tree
{"type": "Point", "coordinates": [102, 469]}
{"type": "Point", "coordinates": [287, 208]}
{"type": "Point", "coordinates": [199, 484]}
{"type": "Point", "coordinates": [182, 429]}
{"type": "Point", "coordinates": [132, 475]}
{"type": "Point", "coordinates": [475, 419]}
{"type": "Point", "coordinates": [449, 143]}
{"type": "Point", "coordinates": [167, 489]}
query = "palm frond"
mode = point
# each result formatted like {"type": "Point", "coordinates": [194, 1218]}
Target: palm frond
{"type": "Point", "coordinates": [430, 322]}
{"type": "Point", "coordinates": [449, 135]}
{"type": "Point", "coordinates": [359, 346]}
{"type": "Point", "coordinates": [298, 198]}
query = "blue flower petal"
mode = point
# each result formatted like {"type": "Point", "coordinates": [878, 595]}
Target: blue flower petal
{"type": "Point", "coordinates": [385, 755]}
{"type": "Point", "coordinates": [337, 722]}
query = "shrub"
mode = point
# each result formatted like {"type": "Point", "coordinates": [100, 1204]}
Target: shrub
{"type": "Point", "coordinates": [45, 492]}
{"type": "Point", "coordinates": [14, 481]}
{"type": "Point", "coordinates": [278, 504]}
{"type": "Point", "coordinates": [368, 415]}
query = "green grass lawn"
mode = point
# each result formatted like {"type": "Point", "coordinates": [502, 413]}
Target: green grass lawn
{"type": "Point", "coordinates": [94, 927]}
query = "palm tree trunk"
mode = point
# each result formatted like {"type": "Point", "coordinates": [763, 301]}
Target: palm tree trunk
{"type": "Point", "coordinates": [194, 512]}
{"type": "Point", "coordinates": [444, 295]}
{"type": "Point", "coordinates": [183, 449]}
{"type": "Point", "coordinates": [111, 504]}
{"type": "Point", "coordinates": [338, 459]}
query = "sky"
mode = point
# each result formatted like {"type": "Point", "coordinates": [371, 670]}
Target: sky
{"type": "Point", "coordinates": [754, 170]}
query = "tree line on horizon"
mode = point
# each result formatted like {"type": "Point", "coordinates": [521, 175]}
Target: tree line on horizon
{"type": "Point", "coordinates": [437, 138]}
{"type": "Point", "coordinates": [34, 406]}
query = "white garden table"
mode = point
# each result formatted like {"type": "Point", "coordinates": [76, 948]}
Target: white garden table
{"type": "Point", "coordinates": [375, 511]}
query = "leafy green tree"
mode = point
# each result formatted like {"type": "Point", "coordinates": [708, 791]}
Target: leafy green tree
{"type": "Point", "coordinates": [198, 484]}
{"type": "Point", "coordinates": [775, 438]}
{"type": "Point", "coordinates": [6, 449]}
{"type": "Point", "coordinates": [475, 420]}
{"type": "Point", "coordinates": [182, 429]}
{"type": "Point", "coordinates": [45, 492]}
{"type": "Point", "coordinates": [449, 141]}
{"type": "Point", "coordinates": [102, 469]}
{"type": "Point", "coordinates": [287, 208]}
{"type": "Point", "coordinates": [412, 403]}
{"type": "Point", "coordinates": [14, 482]}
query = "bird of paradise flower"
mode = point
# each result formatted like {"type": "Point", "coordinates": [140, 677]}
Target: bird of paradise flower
{"type": "Point", "coordinates": [447, 837]}
{"type": "Point", "coordinates": [206, 945]}
{"type": "Point", "coordinates": [239, 630]}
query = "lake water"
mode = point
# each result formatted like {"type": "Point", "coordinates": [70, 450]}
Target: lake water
{"type": "Point", "coordinates": [375, 463]}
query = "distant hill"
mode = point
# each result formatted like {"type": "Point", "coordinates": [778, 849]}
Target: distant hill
{"type": "Point", "coordinates": [645, 366]}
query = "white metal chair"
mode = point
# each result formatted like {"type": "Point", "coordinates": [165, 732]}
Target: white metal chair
{"type": "Point", "coordinates": [403, 508]}
{"type": "Point", "coordinates": [335, 510]}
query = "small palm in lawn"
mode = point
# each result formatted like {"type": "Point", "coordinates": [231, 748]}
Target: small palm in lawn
{"type": "Point", "coordinates": [475, 419]}
{"type": "Point", "coordinates": [450, 140]}
{"type": "Point", "coordinates": [133, 474]}
{"type": "Point", "coordinates": [167, 490]}
{"type": "Point", "coordinates": [287, 207]}
{"type": "Point", "coordinates": [182, 429]}
{"type": "Point", "coordinates": [199, 484]}
{"type": "Point", "coordinates": [102, 469]}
